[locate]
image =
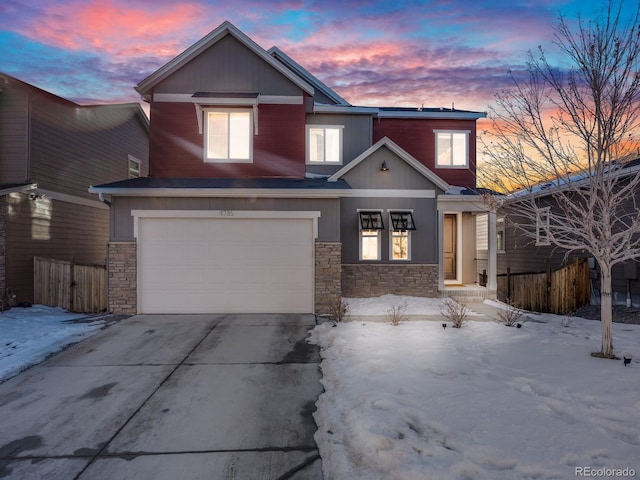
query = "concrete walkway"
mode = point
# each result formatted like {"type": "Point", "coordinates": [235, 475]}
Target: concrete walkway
{"type": "Point", "coordinates": [169, 397]}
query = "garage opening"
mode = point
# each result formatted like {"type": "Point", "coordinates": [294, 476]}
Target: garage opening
{"type": "Point", "coordinates": [225, 262]}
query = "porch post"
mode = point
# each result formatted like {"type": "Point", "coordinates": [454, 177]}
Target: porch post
{"type": "Point", "coordinates": [440, 250]}
{"type": "Point", "coordinates": [492, 261]}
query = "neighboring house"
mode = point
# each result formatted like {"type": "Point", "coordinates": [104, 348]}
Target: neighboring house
{"type": "Point", "coordinates": [268, 192]}
{"type": "Point", "coordinates": [522, 253]}
{"type": "Point", "coordinates": [51, 150]}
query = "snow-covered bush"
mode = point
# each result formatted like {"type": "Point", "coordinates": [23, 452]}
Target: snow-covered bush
{"type": "Point", "coordinates": [511, 315]}
{"type": "Point", "coordinates": [455, 311]}
{"type": "Point", "coordinates": [339, 310]}
{"type": "Point", "coordinates": [396, 314]}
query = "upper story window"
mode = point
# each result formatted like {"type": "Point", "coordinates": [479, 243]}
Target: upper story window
{"type": "Point", "coordinates": [324, 144]}
{"type": "Point", "coordinates": [542, 226]}
{"type": "Point", "coordinates": [452, 148]}
{"type": "Point", "coordinates": [229, 135]}
{"type": "Point", "coordinates": [134, 167]}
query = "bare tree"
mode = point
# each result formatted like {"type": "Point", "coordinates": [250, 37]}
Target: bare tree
{"type": "Point", "coordinates": [561, 140]}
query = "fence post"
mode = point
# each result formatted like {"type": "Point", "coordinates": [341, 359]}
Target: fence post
{"type": "Point", "coordinates": [509, 299]}
{"type": "Point", "coordinates": [72, 284]}
{"type": "Point", "coordinates": [575, 282]}
{"type": "Point", "coordinates": [548, 280]}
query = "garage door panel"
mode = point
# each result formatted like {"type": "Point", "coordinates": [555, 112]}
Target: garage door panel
{"type": "Point", "coordinates": [211, 265]}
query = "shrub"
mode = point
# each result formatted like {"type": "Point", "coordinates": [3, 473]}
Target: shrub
{"type": "Point", "coordinates": [511, 316]}
{"type": "Point", "coordinates": [455, 311]}
{"type": "Point", "coordinates": [396, 314]}
{"type": "Point", "coordinates": [339, 310]}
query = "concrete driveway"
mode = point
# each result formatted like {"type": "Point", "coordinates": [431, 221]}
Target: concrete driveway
{"type": "Point", "coordinates": [168, 397]}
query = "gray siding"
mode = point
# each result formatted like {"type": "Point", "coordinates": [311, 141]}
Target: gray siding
{"type": "Point", "coordinates": [228, 66]}
{"type": "Point", "coordinates": [424, 240]}
{"type": "Point", "coordinates": [122, 221]}
{"type": "Point", "coordinates": [320, 97]}
{"type": "Point", "coordinates": [356, 137]}
{"type": "Point", "coordinates": [14, 105]}
{"type": "Point", "coordinates": [400, 175]}
{"type": "Point", "coordinates": [73, 148]}
{"type": "Point", "coordinates": [50, 229]}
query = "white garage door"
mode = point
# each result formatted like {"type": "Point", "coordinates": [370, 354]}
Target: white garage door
{"type": "Point", "coordinates": [225, 265]}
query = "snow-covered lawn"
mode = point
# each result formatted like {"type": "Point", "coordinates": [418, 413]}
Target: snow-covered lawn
{"type": "Point", "coordinates": [29, 335]}
{"type": "Point", "coordinates": [417, 401]}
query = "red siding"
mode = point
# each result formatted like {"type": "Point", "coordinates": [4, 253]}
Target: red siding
{"type": "Point", "coordinates": [177, 147]}
{"type": "Point", "coordinates": [416, 136]}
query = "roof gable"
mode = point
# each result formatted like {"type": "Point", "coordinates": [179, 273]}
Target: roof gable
{"type": "Point", "coordinates": [402, 154]}
{"type": "Point", "coordinates": [307, 76]}
{"type": "Point", "coordinates": [226, 28]}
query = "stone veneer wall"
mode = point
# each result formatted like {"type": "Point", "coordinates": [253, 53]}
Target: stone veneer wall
{"type": "Point", "coordinates": [3, 246]}
{"type": "Point", "coordinates": [328, 275]}
{"type": "Point", "coordinates": [375, 279]}
{"type": "Point", "coordinates": [122, 278]}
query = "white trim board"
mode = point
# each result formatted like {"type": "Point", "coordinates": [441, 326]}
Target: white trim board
{"type": "Point", "coordinates": [225, 214]}
{"type": "Point", "coordinates": [261, 99]}
{"type": "Point", "coordinates": [224, 192]}
{"type": "Point", "coordinates": [64, 197]}
{"type": "Point", "coordinates": [391, 193]}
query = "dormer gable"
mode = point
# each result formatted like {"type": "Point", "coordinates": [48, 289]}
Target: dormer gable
{"type": "Point", "coordinates": [386, 165]}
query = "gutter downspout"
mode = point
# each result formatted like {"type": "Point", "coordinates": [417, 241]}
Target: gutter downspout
{"type": "Point", "coordinates": [103, 200]}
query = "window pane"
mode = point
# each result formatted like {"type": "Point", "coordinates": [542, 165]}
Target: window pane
{"type": "Point", "coordinates": [444, 148]}
{"type": "Point", "coordinates": [332, 136]}
{"type": "Point", "coordinates": [217, 136]}
{"type": "Point", "coordinates": [239, 135]}
{"type": "Point", "coordinates": [400, 246]}
{"type": "Point", "coordinates": [370, 248]}
{"type": "Point", "coordinates": [316, 145]}
{"type": "Point", "coordinates": [459, 149]}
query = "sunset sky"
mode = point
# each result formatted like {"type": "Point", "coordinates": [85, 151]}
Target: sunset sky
{"type": "Point", "coordinates": [378, 53]}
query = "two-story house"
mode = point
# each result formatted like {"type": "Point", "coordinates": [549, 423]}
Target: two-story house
{"type": "Point", "coordinates": [51, 150]}
{"type": "Point", "coordinates": [268, 192]}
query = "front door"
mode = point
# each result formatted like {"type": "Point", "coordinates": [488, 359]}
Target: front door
{"type": "Point", "coordinates": [450, 242]}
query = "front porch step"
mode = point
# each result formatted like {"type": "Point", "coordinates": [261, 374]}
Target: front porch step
{"type": "Point", "coordinates": [468, 294]}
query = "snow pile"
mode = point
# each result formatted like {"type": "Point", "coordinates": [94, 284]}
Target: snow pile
{"type": "Point", "coordinates": [377, 306]}
{"type": "Point", "coordinates": [29, 335]}
{"type": "Point", "coordinates": [417, 401]}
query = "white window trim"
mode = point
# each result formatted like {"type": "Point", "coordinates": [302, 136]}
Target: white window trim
{"type": "Point", "coordinates": [501, 227]}
{"type": "Point", "coordinates": [391, 231]}
{"type": "Point", "coordinates": [252, 116]}
{"type": "Point", "coordinates": [379, 236]}
{"type": "Point", "coordinates": [542, 223]}
{"type": "Point", "coordinates": [466, 165]}
{"type": "Point", "coordinates": [131, 158]}
{"type": "Point", "coordinates": [308, 127]}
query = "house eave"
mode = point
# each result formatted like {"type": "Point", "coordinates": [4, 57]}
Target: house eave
{"type": "Point", "coordinates": [22, 188]}
{"type": "Point", "coordinates": [222, 192]}
{"type": "Point", "coordinates": [468, 203]}
{"type": "Point", "coordinates": [344, 109]}
{"type": "Point", "coordinates": [439, 115]}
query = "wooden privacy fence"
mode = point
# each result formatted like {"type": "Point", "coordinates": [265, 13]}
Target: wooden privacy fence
{"type": "Point", "coordinates": [77, 288]}
{"type": "Point", "coordinates": [560, 292]}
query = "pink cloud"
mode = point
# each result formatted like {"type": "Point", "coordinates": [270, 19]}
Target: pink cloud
{"type": "Point", "coordinates": [114, 29]}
